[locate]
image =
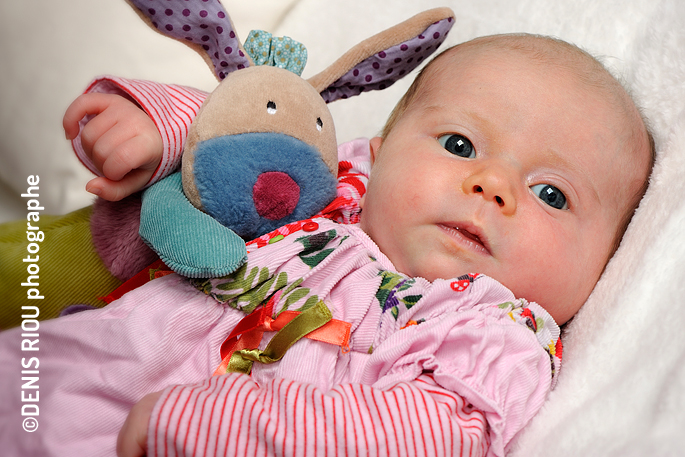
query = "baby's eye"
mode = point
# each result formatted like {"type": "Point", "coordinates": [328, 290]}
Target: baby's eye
{"type": "Point", "coordinates": [550, 195]}
{"type": "Point", "coordinates": [458, 145]}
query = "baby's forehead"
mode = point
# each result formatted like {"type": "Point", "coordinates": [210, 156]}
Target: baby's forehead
{"type": "Point", "coordinates": [548, 58]}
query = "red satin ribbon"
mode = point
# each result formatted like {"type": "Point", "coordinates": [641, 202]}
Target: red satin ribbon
{"type": "Point", "coordinates": [155, 270]}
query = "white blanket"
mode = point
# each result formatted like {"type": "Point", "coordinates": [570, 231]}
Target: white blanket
{"type": "Point", "coordinates": [622, 387]}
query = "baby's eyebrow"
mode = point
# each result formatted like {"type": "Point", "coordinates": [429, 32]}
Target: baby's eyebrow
{"type": "Point", "coordinates": [483, 122]}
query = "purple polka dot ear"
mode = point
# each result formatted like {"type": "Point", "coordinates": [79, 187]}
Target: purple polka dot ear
{"type": "Point", "coordinates": [203, 25]}
{"type": "Point", "coordinates": [361, 71]}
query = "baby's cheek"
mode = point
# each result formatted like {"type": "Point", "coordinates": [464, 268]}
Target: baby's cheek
{"type": "Point", "coordinates": [565, 290]}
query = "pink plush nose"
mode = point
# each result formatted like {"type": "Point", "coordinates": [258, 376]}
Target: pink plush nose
{"type": "Point", "coordinates": [275, 195]}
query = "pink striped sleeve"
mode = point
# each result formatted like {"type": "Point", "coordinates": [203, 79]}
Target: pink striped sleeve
{"type": "Point", "coordinates": [171, 107]}
{"type": "Point", "coordinates": [232, 415]}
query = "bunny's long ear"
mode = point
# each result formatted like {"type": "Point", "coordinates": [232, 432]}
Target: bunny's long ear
{"type": "Point", "coordinates": [204, 26]}
{"type": "Point", "coordinates": [379, 61]}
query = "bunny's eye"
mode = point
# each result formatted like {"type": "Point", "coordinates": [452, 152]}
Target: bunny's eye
{"type": "Point", "coordinates": [319, 124]}
{"type": "Point", "coordinates": [271, 107]}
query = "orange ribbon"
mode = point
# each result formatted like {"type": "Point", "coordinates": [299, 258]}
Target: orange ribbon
{"type": "Point", "coordinates": [250, 330]}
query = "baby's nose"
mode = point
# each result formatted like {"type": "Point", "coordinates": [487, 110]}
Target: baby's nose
{"type": "Point", "coordinates": [275, 195]}
{"type": "Point", "coordinates": [494, 184]}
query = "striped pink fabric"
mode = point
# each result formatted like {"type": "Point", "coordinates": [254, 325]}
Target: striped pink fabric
{"type": "Point", "coordinates": [171, 107]}
{"type": "Point", "coordinates": [232, 415]}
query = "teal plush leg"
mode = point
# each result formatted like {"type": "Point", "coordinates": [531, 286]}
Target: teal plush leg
{"type": "Point", "coordinates": [189, 241]}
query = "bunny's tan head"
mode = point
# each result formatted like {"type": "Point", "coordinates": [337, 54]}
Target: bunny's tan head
{"type": "Point", "coordinates": [261, 100]}
{"type": "Point", "coordinates": [262, 151]}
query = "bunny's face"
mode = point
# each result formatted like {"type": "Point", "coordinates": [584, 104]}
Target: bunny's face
{"type": "Point", "coordinates": [263, 99]}
{"type": "Point", "coordinates": [261, 152]}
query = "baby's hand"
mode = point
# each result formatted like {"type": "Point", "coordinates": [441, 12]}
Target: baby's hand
{"type": "Point", "coordinates": [132, 440]}
{"type": "Point", "coordinates": [121, 140]}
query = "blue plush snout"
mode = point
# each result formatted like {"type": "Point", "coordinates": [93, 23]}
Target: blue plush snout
{"type": "Point", "coordinates": [254, 183]}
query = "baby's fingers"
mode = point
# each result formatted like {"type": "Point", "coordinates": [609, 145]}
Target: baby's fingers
{"type": "Point", "coordinates": [133, 153]}
{"type": "Point", "coordinates": [132, 439]}
{"type": "Point", "coordinates": [116, 190]}
{"type": "Point", "coordinates": [99, 139]}
{"type": "Point", "coordinates": [126, 170]}
{"type": "Point", "coordinates": [84, 105]}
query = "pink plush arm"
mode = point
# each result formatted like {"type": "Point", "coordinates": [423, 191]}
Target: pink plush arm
{"type": "Point", "coordinates": [171, 107]}
{"type": "Point", "coordinates": [232, 415]}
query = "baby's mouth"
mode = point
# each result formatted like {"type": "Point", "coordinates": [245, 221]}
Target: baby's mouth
{"type": "Point", "coordinates": [469, 235]}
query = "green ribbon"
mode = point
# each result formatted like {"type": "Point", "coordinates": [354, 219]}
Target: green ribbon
{"type": "Point", "coordinates": [304, 323]}
{"type": "Point", "coordinates": [282, 52]}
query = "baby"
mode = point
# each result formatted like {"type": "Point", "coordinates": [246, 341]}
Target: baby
{"type": "Point", "coordinates": [510, 168]}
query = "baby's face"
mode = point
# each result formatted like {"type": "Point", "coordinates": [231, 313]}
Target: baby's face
{"type": "Point", "coordinates": [506, 167]}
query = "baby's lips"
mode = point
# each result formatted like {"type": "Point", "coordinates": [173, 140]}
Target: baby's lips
{"type": "Point", "coordinates": [471, 232]}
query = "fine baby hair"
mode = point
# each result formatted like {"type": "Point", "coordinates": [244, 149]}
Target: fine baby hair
{"type": "Point", "coordinates": [262, 151]}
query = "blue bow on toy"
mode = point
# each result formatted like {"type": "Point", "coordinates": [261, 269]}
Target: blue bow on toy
{"type": "Point", "coordinates": [282, 52]}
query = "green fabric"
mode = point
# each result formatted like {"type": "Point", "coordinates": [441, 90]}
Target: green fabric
{"type": "Point", "coordinates": [190, 242]}
{"type": "Point", "coordinates": [303, 324]}
{"type": "Point", "coordinates": [69, 269]}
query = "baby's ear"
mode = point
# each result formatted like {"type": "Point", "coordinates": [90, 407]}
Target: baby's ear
{"type": "Point", "coordinates": [375, 145]}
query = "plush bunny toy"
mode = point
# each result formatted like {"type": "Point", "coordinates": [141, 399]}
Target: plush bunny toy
{"type": "Point", "coordinates": [262, 151]}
